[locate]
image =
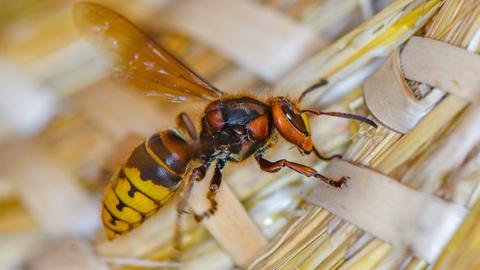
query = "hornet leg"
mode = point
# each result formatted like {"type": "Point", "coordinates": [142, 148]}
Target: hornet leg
{"type": "Point", "coordinates": [215, 183]}
{"type": "Point", "coordinates": [323, 157]}
{"type": "Point", "coordinates": [185, 123]}
{"type": "Point", "coordinates": [272, 167]}
{"type": "Point", "coordinates": [196, 175]}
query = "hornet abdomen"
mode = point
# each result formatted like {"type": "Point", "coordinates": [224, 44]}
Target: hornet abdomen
{"type": "Point", "coordinates": [148, 179]}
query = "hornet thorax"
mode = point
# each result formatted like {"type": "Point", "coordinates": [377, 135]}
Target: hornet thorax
{"type": "Point", "coordinates": [235, 128]}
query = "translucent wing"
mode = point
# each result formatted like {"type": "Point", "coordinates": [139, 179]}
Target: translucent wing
{"type": "Point", "coordinates": [140, 61]}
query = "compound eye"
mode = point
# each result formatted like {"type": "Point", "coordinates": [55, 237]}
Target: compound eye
{"type": "Point", "coordinates": [295, 119]}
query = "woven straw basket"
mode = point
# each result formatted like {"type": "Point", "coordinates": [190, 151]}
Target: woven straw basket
{"type": "Point", "coordinates": [412, 200]}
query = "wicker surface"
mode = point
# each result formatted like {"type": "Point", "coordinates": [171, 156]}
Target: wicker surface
{"type": "Point", "coordinates": [63, 124]}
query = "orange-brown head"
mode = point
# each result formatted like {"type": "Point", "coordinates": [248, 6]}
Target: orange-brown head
{"type": "Point", "coordinates": [291, 123]}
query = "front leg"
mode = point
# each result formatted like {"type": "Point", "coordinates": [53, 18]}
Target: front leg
{"type": "Point", "coordinates": [212, 191]}
{"type": "Point", "coordinates": [322, 157]}
{"type": "Point", "coordinates": [273, 167]}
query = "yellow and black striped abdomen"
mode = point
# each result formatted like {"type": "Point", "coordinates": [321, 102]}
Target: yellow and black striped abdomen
{"type": "Point", "coordinates": [148, 179]}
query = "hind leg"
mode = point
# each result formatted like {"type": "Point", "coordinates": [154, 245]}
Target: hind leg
{"type": "Point", "coordinates": [196, 175]}
{"type": "Point", "coordinates": [215, 183]}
